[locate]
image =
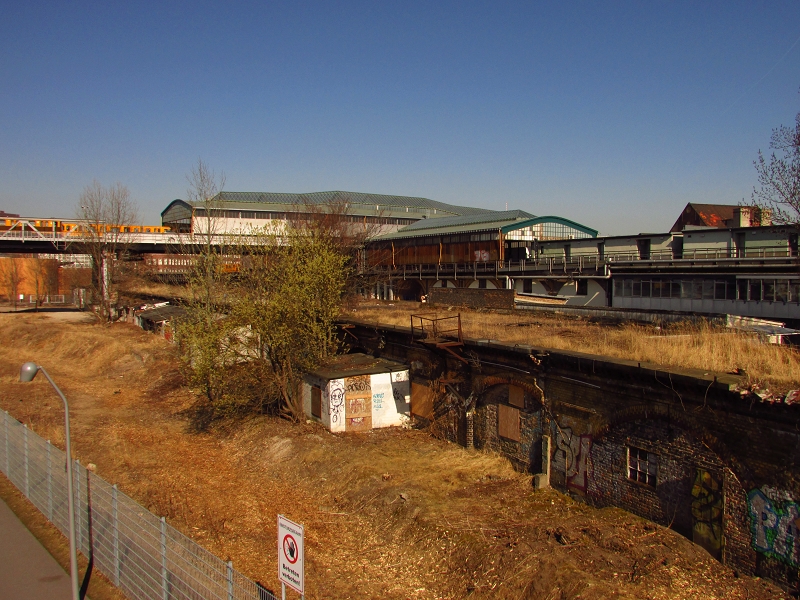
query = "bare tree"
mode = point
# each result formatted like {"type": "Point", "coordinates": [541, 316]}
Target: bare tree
{"type": "Point", "coordinates": [205, 187]}
{"type": "Point", "coordinates": [779, 175]}
{"type": "Point", "coordinates": [11, 278]}
{"type": "Point", "coordinates": [106, 214]}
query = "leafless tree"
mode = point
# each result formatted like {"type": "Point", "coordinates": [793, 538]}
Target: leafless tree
{"type": "Point", "coordinates": [205, 187]}
{"type": "Point", "coordinates": [105, 215]}
{"type": "Point", "coordinates": [779, 175]}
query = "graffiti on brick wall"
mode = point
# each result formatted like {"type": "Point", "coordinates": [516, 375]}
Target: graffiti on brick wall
{"type": "Point", "coordinates": [576, 450]}
{"type": "Point", "coordinates": [707, 512]}
{"type": "Point", "coordinates": [775, 524]}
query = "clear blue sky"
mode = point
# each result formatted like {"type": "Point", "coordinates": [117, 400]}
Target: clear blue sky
{"type": "Point", "coordinates": [612, 114]}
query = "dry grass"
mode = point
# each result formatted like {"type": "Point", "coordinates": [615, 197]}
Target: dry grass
{"type": "Point", "coordinates": [680, 346]}
{"type": "Point", "coordinates": [388, 514]}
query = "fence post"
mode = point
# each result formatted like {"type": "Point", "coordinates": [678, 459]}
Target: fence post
{"type": "Point", "coordinates": [164, 591]}
{"type": "Point", "coordinates": [25, 454]}
{"type": "Point", "coordinates": [5, 421]}
{"type": "Point", "coordinates": [49, 483]}
{"type": "Point", "coordinates": [77, 485]}
{"type": "Point", "coordinates": [229, 577]}
{"type": "Point", "coordinates": [115, 525]}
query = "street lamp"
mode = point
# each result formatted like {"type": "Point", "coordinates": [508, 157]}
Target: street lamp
{"type": "Point", "coordinates": [26, 374]}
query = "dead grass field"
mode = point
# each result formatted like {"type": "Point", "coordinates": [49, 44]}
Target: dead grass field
{"type": "Point", "coordinates": [722, 350]}
{"type": "Point", "coordinates": [389, 514]}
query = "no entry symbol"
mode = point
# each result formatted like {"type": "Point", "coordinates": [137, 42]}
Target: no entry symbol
{"type": "Point", "coordinates": [290, 549]}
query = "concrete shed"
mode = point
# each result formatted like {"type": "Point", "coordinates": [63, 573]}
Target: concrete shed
{"type": "Point", "coordinates": [357, 392]}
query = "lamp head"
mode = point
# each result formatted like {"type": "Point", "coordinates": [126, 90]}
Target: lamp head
{"type": "Point", "coordinates": [28, 372]}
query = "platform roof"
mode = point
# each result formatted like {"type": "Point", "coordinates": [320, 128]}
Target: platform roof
{"type": "Point", "coordinates": [358, 203]}
{"type": "Point", "coordinates": [505, 221]}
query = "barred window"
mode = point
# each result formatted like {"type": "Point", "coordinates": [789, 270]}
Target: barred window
{"type": "Point", "coordinates": [642, 466]}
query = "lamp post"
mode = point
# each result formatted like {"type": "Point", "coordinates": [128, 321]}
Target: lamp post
{"type": "Point", "coordinates": [26, 374]}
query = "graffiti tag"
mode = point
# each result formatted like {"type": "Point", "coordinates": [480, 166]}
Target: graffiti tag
{"type": "Point", "coordinates": [358, 384]}
{"type": "Point", "coordinates": [775, 527]}
{"type": "Point", "coordinates": [576, 453]}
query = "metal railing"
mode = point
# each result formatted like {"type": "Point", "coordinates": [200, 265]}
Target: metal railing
{"type": "Point", "coordinates": [574, 264]}
{"type": "Point", "coordinates": [433, 327]}
{"type": "Point", "coordinates": [139, 552]}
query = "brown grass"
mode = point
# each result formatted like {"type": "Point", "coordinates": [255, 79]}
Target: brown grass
{"type": "Point", "coordinates": [683, 345]}
{"type": "Point", "coordinates": [388, 514]}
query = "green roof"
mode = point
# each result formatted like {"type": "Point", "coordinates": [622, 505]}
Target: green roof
{"type": "Point", "coordinates": [358, 203]}
{"type": "Point", "coordinates": [505, 221]}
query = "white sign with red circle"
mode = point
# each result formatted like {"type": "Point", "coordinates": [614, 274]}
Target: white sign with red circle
{"type": "Point", "coordinates": [290, 554]}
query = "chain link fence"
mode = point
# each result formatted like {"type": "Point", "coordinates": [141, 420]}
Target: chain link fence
{"type": "Point", "coordinates": [139, 552]}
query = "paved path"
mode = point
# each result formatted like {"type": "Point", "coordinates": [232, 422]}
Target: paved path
{"type": "Point", "coordinates": [27, 571]}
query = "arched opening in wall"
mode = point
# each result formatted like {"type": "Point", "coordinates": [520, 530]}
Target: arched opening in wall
{"type": "Point", "coordinates": [409, 289]}
{"type": "Point", "coordinates": [508, 419]}
{"type": "Point", "coordinates": [483, 284]}
{"type": "Point", "coordinates": [444, 283]}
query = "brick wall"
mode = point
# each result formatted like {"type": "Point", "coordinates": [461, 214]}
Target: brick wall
{"type": "Point", "coordinates": [472, 298]}
{"type": "Point", "coordinates": [694, 424]}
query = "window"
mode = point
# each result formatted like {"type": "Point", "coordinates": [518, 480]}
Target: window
{"type": "Point", "coordinates": [582, 287]}
{"type": "Point", "coordinates": [755, 289]}
{"type": "Point", "coordinates": [741, 289]}
{"type": "Point", "coordinates": [482, 284]}
{"type": "Point", "coordinates": [769, 290]}
{"type": "Point", "coordinates": [642, 466]}
{"type": "Point", "coordinates": [527, 286]}
{"type": "Point", "coordinates": [316, 402]}
{"type": "Point", "coordinates": [794, 291]}
{"type": "Point", "coordinates": [708, 290]}
{"type": "Point", "coordinates": [781, 290]}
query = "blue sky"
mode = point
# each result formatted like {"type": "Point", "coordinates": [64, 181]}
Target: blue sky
{"type": "Point", "coordinates": [611, 114]}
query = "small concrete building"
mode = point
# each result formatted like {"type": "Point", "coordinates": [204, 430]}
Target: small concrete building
{"type": "Point", "coordinates": [357, 392]}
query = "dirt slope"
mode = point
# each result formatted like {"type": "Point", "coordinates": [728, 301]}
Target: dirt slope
{"type": "Point", "coordinates": [392, 514]}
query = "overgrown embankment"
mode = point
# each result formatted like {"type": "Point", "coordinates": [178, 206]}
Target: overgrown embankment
{"type": "Point", "coordinates": [389, 514]}
{"type": "Point", "coordinates": [681, 345]}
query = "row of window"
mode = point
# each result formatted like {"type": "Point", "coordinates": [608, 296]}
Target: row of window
{"type": "Point", "coordinates": [767, 290]}
{"type": "Point", "coordinates": [282, 216]}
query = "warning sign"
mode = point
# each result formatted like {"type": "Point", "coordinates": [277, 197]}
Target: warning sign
{"type": "Point", "coordinates": [290, 554]}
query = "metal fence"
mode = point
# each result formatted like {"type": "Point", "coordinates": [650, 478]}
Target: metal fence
{"type": "Point", "coordinates": [139, 552]}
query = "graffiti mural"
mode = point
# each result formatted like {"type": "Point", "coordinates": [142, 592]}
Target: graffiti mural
{"type": "Point", "coordinates": [775, 525]}
{"type": "Point", "coordinates": [576, 456]}
{"type": "Point", "coordinates": [707, 512]}
{"type": "Point", "coordinates": [336, 400]}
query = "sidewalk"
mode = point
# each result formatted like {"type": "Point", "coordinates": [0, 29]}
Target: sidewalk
{"type": "Point", "coordinates": [27, 571]}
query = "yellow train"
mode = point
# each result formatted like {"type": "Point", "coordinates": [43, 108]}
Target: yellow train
{"type": "Point", "coordinates": [59, 226]}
